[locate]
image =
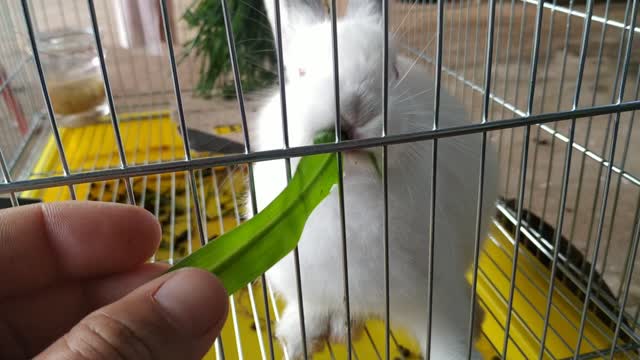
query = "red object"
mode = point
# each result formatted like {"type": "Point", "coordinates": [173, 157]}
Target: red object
{"type": "Point", "coordinates": [12, 102]}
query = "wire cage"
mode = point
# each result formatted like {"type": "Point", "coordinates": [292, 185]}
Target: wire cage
{"type": "Point", "coordinates": [554, 84]}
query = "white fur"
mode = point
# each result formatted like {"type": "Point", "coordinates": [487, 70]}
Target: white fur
{"type": "Point", "coordinates": [311, 108]}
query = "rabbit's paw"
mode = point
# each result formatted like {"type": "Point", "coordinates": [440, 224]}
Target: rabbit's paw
{"type": "Point", "coordinates": [289, 332]}
{"type": "Point", "coordinates": [338, 331]}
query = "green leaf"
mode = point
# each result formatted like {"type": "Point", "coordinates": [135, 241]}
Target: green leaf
{"type": "Point", "coordinates": [241, 255]}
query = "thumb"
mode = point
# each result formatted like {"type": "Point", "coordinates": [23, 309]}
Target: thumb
{"type": "Point", "coordinates": [176, 316]}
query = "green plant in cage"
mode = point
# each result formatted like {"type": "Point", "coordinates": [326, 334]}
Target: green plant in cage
{"type": "Point", "coordinates": [242, 254]}
{"type": "Point", "coordinates": [253, 41]}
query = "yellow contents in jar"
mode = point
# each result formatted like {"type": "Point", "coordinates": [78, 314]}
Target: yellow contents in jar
{"type": "Point", "coordinates": [77, 96]}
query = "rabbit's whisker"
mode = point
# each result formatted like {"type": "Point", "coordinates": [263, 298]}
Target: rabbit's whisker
{"type": "Point", "coordinates": [415, 61]}
{"type": "Point", "coordinates": [411, 97]}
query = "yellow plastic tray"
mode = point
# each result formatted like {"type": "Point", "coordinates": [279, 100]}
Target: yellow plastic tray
{"type": "Point", "coordinates": [154, 137]}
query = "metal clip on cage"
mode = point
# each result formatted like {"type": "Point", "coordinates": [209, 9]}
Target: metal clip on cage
{"type": "Point", "coordinates": [557, 277]}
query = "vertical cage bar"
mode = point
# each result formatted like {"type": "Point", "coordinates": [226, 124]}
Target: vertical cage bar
{"type": "Point", "coordinates": [183, 126]}
{"type": "Point", "coordinates": [551, 161]}
{"type": "Point", "coordinates": [505, 84]}
{"type": "Point", "coordinates": [594, 206]}
{"type": "Point", "coordinates": [475, 52]}
{"type": "Point", "coordinates": [565, 176]}
{"type": "Point", "coordinates": [607, 183]}
{"type": "Point", "coordinates": [523, 172]}
{"type": "Point", "coordinates": [112, 32]}
{"type": "Point", "coordinates": [7, 179]}
{"type": "Point", "coordinates": [338, 132]}
{"type": "Point", "coordinates": [458, 43]}
{"type": "Point", "coordinates": [627, 284]}
{"type": "Point", "coordinates": [483, 152]}
{"type": "Point", "coordinates": [545, 82]}
{"type": "Point", "coordinates": [45, 93]}
{"type": "Point", "coordinates": [247, 149]}
{"type": "Point", "coordinates": [629, 132]}
{"type": "Point", "coordinates": [616, 197]}
{"type": "Point", "coordinates": [385, 176]}
{"type": "Point", "coordinates": [464, 56]}
{"type": "Point", "coordinates": [498, 36]}
{"type": "Point", "coordinates": [434, 172]}
{"type": "Point", "coordinates": [576, 204]}
{"type": "Point", "coordinates": [112, 107]}
{"type": "Point", "coordinates": [285, 138]}
{"type": "Point", "coordinates": [523, 20]}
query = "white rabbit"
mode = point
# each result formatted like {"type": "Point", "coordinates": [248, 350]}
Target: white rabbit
{"type": "Point", "coordinates": [310, 108]}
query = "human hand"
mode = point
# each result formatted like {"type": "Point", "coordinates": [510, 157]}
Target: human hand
{"type": "Point", "coordinates": [75, 285]}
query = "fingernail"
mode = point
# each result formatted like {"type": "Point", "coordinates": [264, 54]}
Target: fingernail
{"type": "Point", "coordinates": [193, 300]}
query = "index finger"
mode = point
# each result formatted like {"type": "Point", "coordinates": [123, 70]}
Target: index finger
{"type": "Point", "coordinates": [44, 243]}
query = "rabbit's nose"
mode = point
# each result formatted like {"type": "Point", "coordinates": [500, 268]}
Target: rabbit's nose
{"type": "Point", "coordinates": [346, 130]}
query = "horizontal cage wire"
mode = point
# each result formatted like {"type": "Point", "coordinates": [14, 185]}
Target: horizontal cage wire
{"type": "Point", "coordinates": [119, 115]}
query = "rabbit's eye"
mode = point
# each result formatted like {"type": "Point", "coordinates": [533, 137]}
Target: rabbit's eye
{"type": "Point", "coordinates": [301, 72]}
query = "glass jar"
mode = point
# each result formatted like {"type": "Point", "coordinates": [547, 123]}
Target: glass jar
{"type": "Point", "coordinates": [74, 78]}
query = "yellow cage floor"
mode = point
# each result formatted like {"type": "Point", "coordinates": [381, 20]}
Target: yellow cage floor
{"type": "Point", "coordinates": [150, 138]}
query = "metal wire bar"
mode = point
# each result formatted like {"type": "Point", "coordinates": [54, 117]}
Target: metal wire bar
{"type": "Point", "coordinates": [222, 230]}
{"type": "Point", "coordinates": [483, 152]}
{"type": "Point", "coordinates": [45, 93]}
{"type": "Point", "coordinates": [219, 348]}
{"type": "Point", "coordinates": [466, 40]}
{"type": "Point", "coordinates": [576, 204]}
{"type": "Point", "coordinates": [183, 126]}
{"type": "Point", "coordinates": [448, 25]}
{"type": "Point", "coordinates": [631, 121]}
{"type": "Point", "coordinates": [373, 344]}
{"type": "Point", "coordinates": [629, 275]}
{"type": "Point", "coordinates": [247, 150]}
{"type": "Point", "coordinates": [505, 84]}
{"type": "Point", "coordinates": [490, 312]}
{"type": "Point", "coordinates": [7, 179]}
{"type": "Point", "coordinates": [523, 169]}
{"type": "Point", "coordinates": [15, 72]}
{"type": "Point", "coordinates": [616, 197]}
{"type": "Point", "coordinates": [338, 132]}
{"type": "Point", "coordinates": [441, 133]}
{"type": "Point", "coordinates": [459, 33]}
{"type": "Point", "coordinates": [498, 36]}
{"type": "Point", "coordinates": [565, 175]}
{"type": "Point", "coordinates": [580, 14]}
{"type": "Point", "coordinates": [558, 106]}
{"type": "Point", "coordinates": [512, 108]}
{"type": "Point", "coordinates": [434, 172]}
{"type": "Point", "coordinates": [545, 81]}
{"type": "Point", "coordinates": [216, 194]}
{"type": "Point", "coordinates": [504, 300]}
{"type": "Point", "coordinates": [523, 19]}
{"type": "Point", "coordinates": [385, 176]}
{"type": "Point", "coordinates": [116, 56]}
{"type": "Point", "coordinates": [566, 272]}
{"type": "Point", "coordinates": [531, 260]}
{"type": "Point", "coordinates": [605, 193]}
{"type": "Point", "coordinates": [254, 308]}
{"type": "Point", "coordinates": [112, 107]}
{"type": "Point", "coordinates": [285, 138]}
{"type": "Point", "coordinates": [475, 50]}
{"type": "Point", "coordinates": [607, 131]}
{"type": "Point", "coordinates": [172, 229]}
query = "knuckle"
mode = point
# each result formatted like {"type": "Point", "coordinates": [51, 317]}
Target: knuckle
{"type": "Point", "coordinates": [101, 336]}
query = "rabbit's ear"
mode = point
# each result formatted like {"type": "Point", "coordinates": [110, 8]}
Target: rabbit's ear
{"type": "Point", "coordinates": [293, 14]}
{"type": "Point", "coordinates": [358, 8]}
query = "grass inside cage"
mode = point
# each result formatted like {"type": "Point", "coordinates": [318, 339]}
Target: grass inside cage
{"type": "Point", "coordinates": [154, 137]}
